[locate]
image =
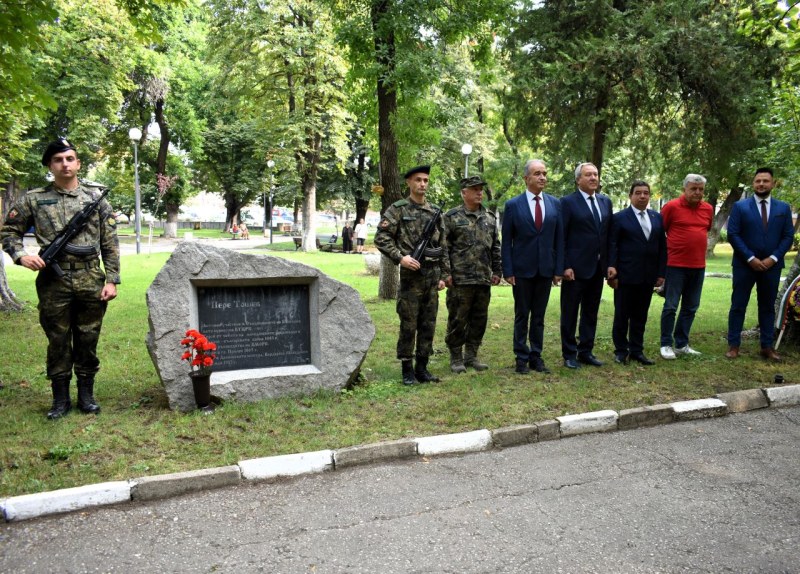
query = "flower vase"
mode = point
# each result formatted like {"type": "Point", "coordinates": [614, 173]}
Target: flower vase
{"type": "Point", "coordinates": [201, 384]}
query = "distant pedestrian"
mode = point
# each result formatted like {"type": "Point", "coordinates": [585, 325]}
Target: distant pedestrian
{"type": "Point", "coordinates": [347, 238]}
{"type": "Point", "coordinates": [361, 235]}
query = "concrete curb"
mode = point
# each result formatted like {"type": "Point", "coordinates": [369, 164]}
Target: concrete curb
{"type": "Point", "coordinates": [161, 486]}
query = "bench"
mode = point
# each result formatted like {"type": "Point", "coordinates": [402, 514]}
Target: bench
{"type": "Point", "coordinates": [324, 244]}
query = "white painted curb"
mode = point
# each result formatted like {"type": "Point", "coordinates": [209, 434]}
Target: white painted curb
{"type": "Point", "coordinates": [783, 396]}
{"type": "Point", "coordinates": [286, 465]}
{"type": "Point", "coordinates": [698, 409]}
{"type": "Point", "coordinates": [598, 421]}
{"type": "Point", "coordinates": [472, 441]}
{"type": "Point", "coordinates": [65, 500]}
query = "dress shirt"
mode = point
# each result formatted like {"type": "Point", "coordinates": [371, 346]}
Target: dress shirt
{"type": "Point", "coordinates": [532, 205]}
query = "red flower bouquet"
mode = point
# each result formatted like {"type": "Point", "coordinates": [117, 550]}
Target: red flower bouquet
{"type": "Point", "coordinates": [199, 351]}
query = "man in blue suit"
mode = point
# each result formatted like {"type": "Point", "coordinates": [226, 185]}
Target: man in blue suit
{"type": "Point", "coordinates": [587, 219]}
{"type": "Point", "coordinates": [533, 261]}
{"type": "Point", "coordinates": [761, 232]}
{"type": "Point", "coordinates": [637, 262]}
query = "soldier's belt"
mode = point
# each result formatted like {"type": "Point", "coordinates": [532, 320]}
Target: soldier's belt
{"type": "Point", "coordinates": [78, 265]}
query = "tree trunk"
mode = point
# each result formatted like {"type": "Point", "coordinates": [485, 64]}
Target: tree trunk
{"type": "Point", "coordinates": [721, 218]}
{"type": "Point", "coordinates": [171, 225]}
{"type": "Point", "coordinates": [600, 130]}
{"type": "Point", "coordinates": [387, 138]}
{"type": "Point", "coordinates": [309, 213]}
{"type": "Point", "coordinates": [8, 301]}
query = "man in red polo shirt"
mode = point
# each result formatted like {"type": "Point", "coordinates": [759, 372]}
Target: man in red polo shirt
{"type": "Point", "coordinates": [687, 221]}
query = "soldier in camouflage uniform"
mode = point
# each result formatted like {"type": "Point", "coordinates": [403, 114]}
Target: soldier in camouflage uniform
{"type": "Point", "coordinates": [474, 253]}
{"type": "Point", "coordinates": [71, 307]}
{"type": "Point", "coordinates": [399, 232]}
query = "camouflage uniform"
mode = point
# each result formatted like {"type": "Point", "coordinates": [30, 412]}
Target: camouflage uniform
{"type": "Point", "coordinates": [473, 250]}
{"type": "Point", "coordinates": [418, 300]}
{"type": "Point", "coordinates": [70, 309]}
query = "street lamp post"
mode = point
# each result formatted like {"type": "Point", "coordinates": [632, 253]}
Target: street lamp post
{"type": "Point", "coordinates": [466, 149]}
{"type": "Point", "coordinates": [270, 165]}
{"type": "Point", "coordinates": [135, 135]}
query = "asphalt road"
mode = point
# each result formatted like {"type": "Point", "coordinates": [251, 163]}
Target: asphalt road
{"type": "Point", "coordinates": [716, 495]}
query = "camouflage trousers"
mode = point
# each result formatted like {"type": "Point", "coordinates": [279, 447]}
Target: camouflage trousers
{"type": "Point", "coordinates": [467, 315]}
{"type": "Point", "coordinates": [71, 314]}
{"type": "Point", "coordinates": [417, 307]}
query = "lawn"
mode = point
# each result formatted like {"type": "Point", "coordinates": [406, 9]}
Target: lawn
{"type": "Point", "coordinates": [136, 434]}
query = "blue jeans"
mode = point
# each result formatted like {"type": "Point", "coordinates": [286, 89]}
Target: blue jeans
{"type": "Point", "coordinates": [682, 285]}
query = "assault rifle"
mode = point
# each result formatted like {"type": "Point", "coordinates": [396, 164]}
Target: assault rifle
{"type": "Point", "coordinates": [422, 251]}
{"type": "Point", "coordinates": [62, 240]}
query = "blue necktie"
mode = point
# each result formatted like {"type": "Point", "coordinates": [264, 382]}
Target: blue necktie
{"type": "Point", "coordinates": [595, 213]}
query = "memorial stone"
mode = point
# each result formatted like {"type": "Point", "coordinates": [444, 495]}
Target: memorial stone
{"type": "Point", "coordinates": [281, 327]}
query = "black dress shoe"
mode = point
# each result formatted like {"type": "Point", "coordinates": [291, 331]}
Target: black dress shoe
{"type": "Point", "coordinates": [522, 367]}
{"type": "Point", "coordinates": [590, 360]}
{"type": "Point", "coordinates": [539, 366]}
{"type": "Point", "coordinates": [621, 359]}
{"type": "Point", "coordinates": [572, 364]}
{"type": "Point", "coordinates": [643, 360]}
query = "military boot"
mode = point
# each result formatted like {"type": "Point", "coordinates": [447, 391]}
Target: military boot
{"type": "Point", "coordinates": [471, 359]}
{"type": "Point", "coordinates": [422, 373]}
{"type": "Point", "coordinates": [457, 360]}
{"type": "Point", "coordinates": [61, 403]}
{"type": "Point", "coordinates": [86, 402]}
{"type": "Point", "coordinates": [408, 373]}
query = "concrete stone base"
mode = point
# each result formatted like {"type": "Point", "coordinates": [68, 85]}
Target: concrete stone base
{"type": "Point", "coordinates": [65, 500]}
{"type": "Point", "coordinates": [549, 430]}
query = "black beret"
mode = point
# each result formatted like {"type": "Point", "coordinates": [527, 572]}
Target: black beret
{"type": "Point", "coordinates": [58, 146]}
{"type": "Point", "coordinates": [472, 181]}
{"type": "Point", "coordinates": [418, 169]}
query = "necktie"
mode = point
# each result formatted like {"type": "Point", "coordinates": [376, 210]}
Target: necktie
{"type": "Point", "coordinates": [537, 217]}
{"type": "Point", "coordinates": [644, 221]}
{"type": "Point", "coordinates": [764, 213]}
{"type": "Point", "coordinates": [595, 212]}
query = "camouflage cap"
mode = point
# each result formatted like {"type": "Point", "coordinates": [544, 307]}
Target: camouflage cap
{"type": "Point", "coordinates": [472, 181]}
{"type": "Point", "coordinates": [59, 146]}
{"type": "Point", "coordinates": [418, 169]}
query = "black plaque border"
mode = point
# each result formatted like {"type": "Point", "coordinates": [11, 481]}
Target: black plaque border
{"type": "Point", "coordinates": [313, 313]}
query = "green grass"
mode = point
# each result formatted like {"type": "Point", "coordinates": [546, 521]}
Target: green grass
{"type": "Point", "coordinates": [136, 434]}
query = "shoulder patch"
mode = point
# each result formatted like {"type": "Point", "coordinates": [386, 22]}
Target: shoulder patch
{"type": "Point", "coordinates": [384, 224]}
{"type": "Point", "coordinates": [13, 214]}
{"type": "Point", "coordinates": [400, 203]}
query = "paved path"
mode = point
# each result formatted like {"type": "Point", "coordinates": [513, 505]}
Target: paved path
{"type": "Point", "coordinates": [709, 496]}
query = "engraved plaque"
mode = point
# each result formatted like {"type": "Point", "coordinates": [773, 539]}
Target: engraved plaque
{"type": "Point", "coordinates": [257, 326]}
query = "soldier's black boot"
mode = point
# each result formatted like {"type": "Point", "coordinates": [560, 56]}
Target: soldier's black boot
{"type": "Point", "coordinates": [471, 359]}
{"type": "Point", "coordinates": [421, 371]}
{"type": "Point", "coordinates": [61, 403]}
{"type": "Point", "coordinates": [86, 402]}
{"type": "Point", "coordinates": [408, 373]}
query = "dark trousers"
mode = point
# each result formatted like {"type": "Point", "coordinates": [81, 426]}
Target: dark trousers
{"type": "Point", "coordinates": [417, 307]}
{"type": "Point", "coordinates": [71, 314]}
{"type": "Point", "coordinates": [766, 284]}
{"type": "Point", "coordinates": [531, 295]}
{"type": "Point", "coordinates": [683, 285]}
{"type": "Point", "coordinates": [580, 297]}
{"type": "Point", "coordinates": [467, 315]}
{"type": "Point", "coordinates": [631, 304]}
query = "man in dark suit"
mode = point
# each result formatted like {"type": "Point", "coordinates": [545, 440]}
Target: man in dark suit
{"type": "Point", "coordinates": [587, 218]}
{"type": "Point", "coordinates": [533, 261]}
{"type": "Point", "coordinates": [637, 262]}
{"type": "Point", "coordinates": [761, 232]}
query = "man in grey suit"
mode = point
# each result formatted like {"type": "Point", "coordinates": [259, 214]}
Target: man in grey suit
{"type": "Point", "coordinates": [533, 260]}
{"type": "Point", "coordinates": [587, 218]}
